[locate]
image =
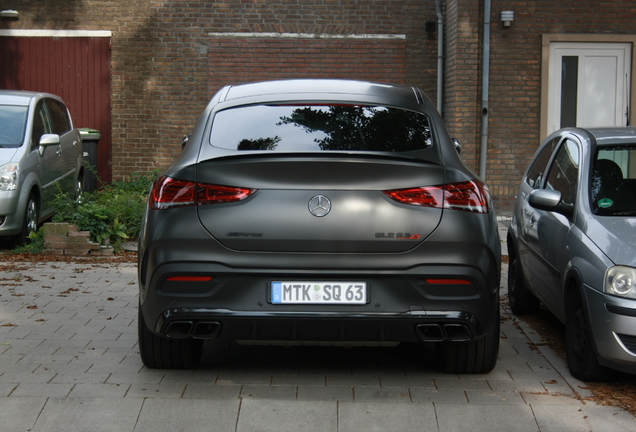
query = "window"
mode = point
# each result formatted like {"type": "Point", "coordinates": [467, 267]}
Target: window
{"type": "Point", "coordinates": [59, 117]}
{"type": "Point", "coordinates": [614, 181]}
{"type": "Point", "coordinates": [298, 128]}
{"type": "Point", "coordinates": [536, 171]}
{"type": "Point", "coordinates": [564, 171]}
{"type": "Point", "coordinates": [12, 125]}
{"type": "Point", "coordinates": [41, 124]}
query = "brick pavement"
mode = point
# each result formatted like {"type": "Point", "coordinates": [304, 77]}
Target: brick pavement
{"type": "Point", "coordinates": [69, 362]}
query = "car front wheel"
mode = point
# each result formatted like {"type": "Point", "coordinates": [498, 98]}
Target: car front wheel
{"type": "Point", "coordinates": [30, 220]}
{"type": "Point", "coordinates": [582, 360]}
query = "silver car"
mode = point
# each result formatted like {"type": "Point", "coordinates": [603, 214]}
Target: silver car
{"type": "Point", "coordinates": [572, 245]}
{"type": "Point", "coordinates": [40, 156]}
{"type": "Point", "coordinates": [320, 211]}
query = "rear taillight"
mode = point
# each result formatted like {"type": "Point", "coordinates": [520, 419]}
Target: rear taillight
{"type": "Point", "coordinates": [472, 196]}
{"type": "Point", "coordinates": [168, 192]}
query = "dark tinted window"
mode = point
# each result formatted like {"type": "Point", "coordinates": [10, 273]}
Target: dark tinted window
{"type": "Point", "coordinates": [12, 124]}
{"type": "Point", "coordinates": [536, 171]}
{"type": "Point", "coordinates": [321, 127]}
{"type": "Point", "coordinates": [59, 117]}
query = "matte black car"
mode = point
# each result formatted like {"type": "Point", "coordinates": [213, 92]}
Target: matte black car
{"type": "Point", "coordinates": [313, 211]}
{"type": "Point", "coordinates": [572, 245]}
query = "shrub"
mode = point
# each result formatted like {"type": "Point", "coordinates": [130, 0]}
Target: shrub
{"type": "Point", "coordinates": [110, 214]}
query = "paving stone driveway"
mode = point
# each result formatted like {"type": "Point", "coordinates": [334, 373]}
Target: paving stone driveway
{"type": "Point", "coordinates": [69, 362]}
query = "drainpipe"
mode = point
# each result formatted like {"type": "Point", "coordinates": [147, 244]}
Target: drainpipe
{"type": "Point", "coordinates": [440, 55]}
{"type": "Point", "coordinates": [485, 79]}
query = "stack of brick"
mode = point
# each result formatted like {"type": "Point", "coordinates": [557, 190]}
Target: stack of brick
{"type": "Point", "coordinates": [66, 239]}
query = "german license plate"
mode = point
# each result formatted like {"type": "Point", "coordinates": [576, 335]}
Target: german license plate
{"type": "Point", "coordinates": [319, 293]}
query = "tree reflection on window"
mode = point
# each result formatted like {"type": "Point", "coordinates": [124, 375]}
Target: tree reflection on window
{"type": "Point", "coordinates": [259, 144]}
{"type": "Point", "coordinates": [363, 128]}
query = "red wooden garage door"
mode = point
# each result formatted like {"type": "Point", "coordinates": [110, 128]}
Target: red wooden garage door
{"type": "Point", "coordinates": [75, 68]}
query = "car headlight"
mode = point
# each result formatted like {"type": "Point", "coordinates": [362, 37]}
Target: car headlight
{"type": "Point", "coordinates": [621, 281]}
{"type": "Point", "coordinates": [9, 176]}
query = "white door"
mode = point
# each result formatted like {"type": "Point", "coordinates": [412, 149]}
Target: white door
{"type": "Point", "coordinates": [588, 84]}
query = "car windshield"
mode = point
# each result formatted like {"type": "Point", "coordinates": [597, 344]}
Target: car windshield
{"type": "Point", "coordinates": [12, 122]}
{"type": "Point", "coordinates": [613, 185]}
{"type": "Point", "coordinates": [307, 128]}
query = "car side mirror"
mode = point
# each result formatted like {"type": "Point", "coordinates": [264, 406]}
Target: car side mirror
{"type": "Point", "coordinates": [457, 145]}
{"type": "Point", "coordinates": [48, 140]}
{"type": "Point", "coordinates": [550, 200]}
{"type": "Point", "coordinates": [185, 140]}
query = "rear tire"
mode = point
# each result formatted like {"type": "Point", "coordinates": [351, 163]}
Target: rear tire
{"type": "Point", "coordinates": [163, 353]}
{"type": "Point", "coordinates": [579, 348]}
{"type": "Point", "coordinates": [473, 357]}
{"type": "Point", "coordinates": [521, 301]}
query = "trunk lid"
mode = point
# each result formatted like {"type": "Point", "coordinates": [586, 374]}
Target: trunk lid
{"type": "Point", "coordinates": [319, 204]}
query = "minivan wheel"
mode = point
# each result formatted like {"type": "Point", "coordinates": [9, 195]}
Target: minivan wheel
{"type": "Point", "coordinates": [163, 353]}
{"type": "Point", "coordinates": [30, 221]}
{"type": "Point", "coordinates": [79, 188]}
{"type": "Point", "coordinates": [581, 357]}
{"type": "Point", "coordinates": [474, 357]}
{"type": "Point", "coordinates": [522, 302]}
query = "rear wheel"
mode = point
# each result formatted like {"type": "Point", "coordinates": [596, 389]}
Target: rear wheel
{"type": "Point", "coordinates": [163, 353]}
{"type": "Point", "coordinates": [582, 359]}
{"type": "Point", "coordinates": [474, 357]}
{"type": "Point", "coordinates": [521, 300]}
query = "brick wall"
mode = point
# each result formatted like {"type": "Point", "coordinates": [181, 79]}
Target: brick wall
{"type": "Point", "coordinates": [240, 60]}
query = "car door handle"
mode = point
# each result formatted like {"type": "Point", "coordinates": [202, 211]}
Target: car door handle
{"type": "Point", "coordinates": [74, 143]}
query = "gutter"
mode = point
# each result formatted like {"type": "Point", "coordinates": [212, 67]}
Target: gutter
{"type": "Point", "coordinates": [440, 56]}
{"type": "Point", "coordinates": [485, 82]}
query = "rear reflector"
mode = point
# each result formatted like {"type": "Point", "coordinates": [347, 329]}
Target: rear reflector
{"type": "Point", "coordinates": [471, 196]}
{"type": "Point", "coordinates": [447, 281]}
{"type": "Point", "coordinates": [168, 192]}
{"type": "Point", "coordinates": [190, 278]}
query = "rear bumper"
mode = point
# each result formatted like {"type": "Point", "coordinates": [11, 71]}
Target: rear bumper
{"type": "Point", "coordinates": [401, 306]}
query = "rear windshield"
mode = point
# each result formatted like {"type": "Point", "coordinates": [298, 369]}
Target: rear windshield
{"type": "Point", "coordinates": [12, 123]}
{"type": "Point", "coordinates": [301, 128]}
{"type": "Point", "coordinates": [613, 185]}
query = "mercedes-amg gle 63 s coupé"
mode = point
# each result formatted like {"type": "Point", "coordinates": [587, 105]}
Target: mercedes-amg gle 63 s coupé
{"type": "Point", "coordinates": [320, 211]}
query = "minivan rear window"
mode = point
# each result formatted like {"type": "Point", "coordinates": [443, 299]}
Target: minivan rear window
{"type": "Point", "coordinates": [308, 128]}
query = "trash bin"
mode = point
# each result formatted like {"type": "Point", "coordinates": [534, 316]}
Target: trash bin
{"type": "Point", "coordinates": [90, 139]}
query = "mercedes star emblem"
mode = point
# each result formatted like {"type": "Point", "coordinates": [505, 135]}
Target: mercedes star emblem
{"type": "Point", "coordinates": [319, 206]}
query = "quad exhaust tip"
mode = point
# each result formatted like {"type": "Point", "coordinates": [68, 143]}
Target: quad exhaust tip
{"type": "Point", "coordinates": [197, 330]}
{"type": "Point", "coordinates": [443, 332]}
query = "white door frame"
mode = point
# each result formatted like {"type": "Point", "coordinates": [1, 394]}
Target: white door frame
{"type": "Point", "coordinates": [548, 67]}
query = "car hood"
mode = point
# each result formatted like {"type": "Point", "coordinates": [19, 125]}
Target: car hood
{"type": "Point", "coordinates": [6, 155]}
{"type": "Point", "coordinates": [615, 236]}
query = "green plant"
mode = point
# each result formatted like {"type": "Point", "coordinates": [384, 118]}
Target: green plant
{"type": "Point", "coordinates": [110, 214]}
{"type": "Point", "coordinates": [35, 245]}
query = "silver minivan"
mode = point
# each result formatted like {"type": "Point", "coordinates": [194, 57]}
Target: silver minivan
{"type": "Point", "coordinates": [40, 156]}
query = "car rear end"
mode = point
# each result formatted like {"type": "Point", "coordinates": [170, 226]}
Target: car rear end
{"type": "Point", "coordinates": [342, 215]}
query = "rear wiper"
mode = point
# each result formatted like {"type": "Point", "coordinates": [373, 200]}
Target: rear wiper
{"type": "Point", "coordinates": [626, 213]}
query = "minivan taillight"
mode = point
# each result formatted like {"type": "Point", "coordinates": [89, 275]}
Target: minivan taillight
{"type": "Point", "coordinates": [168, 192]}
{"type": "Point", "coordinates": [471, 196]}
